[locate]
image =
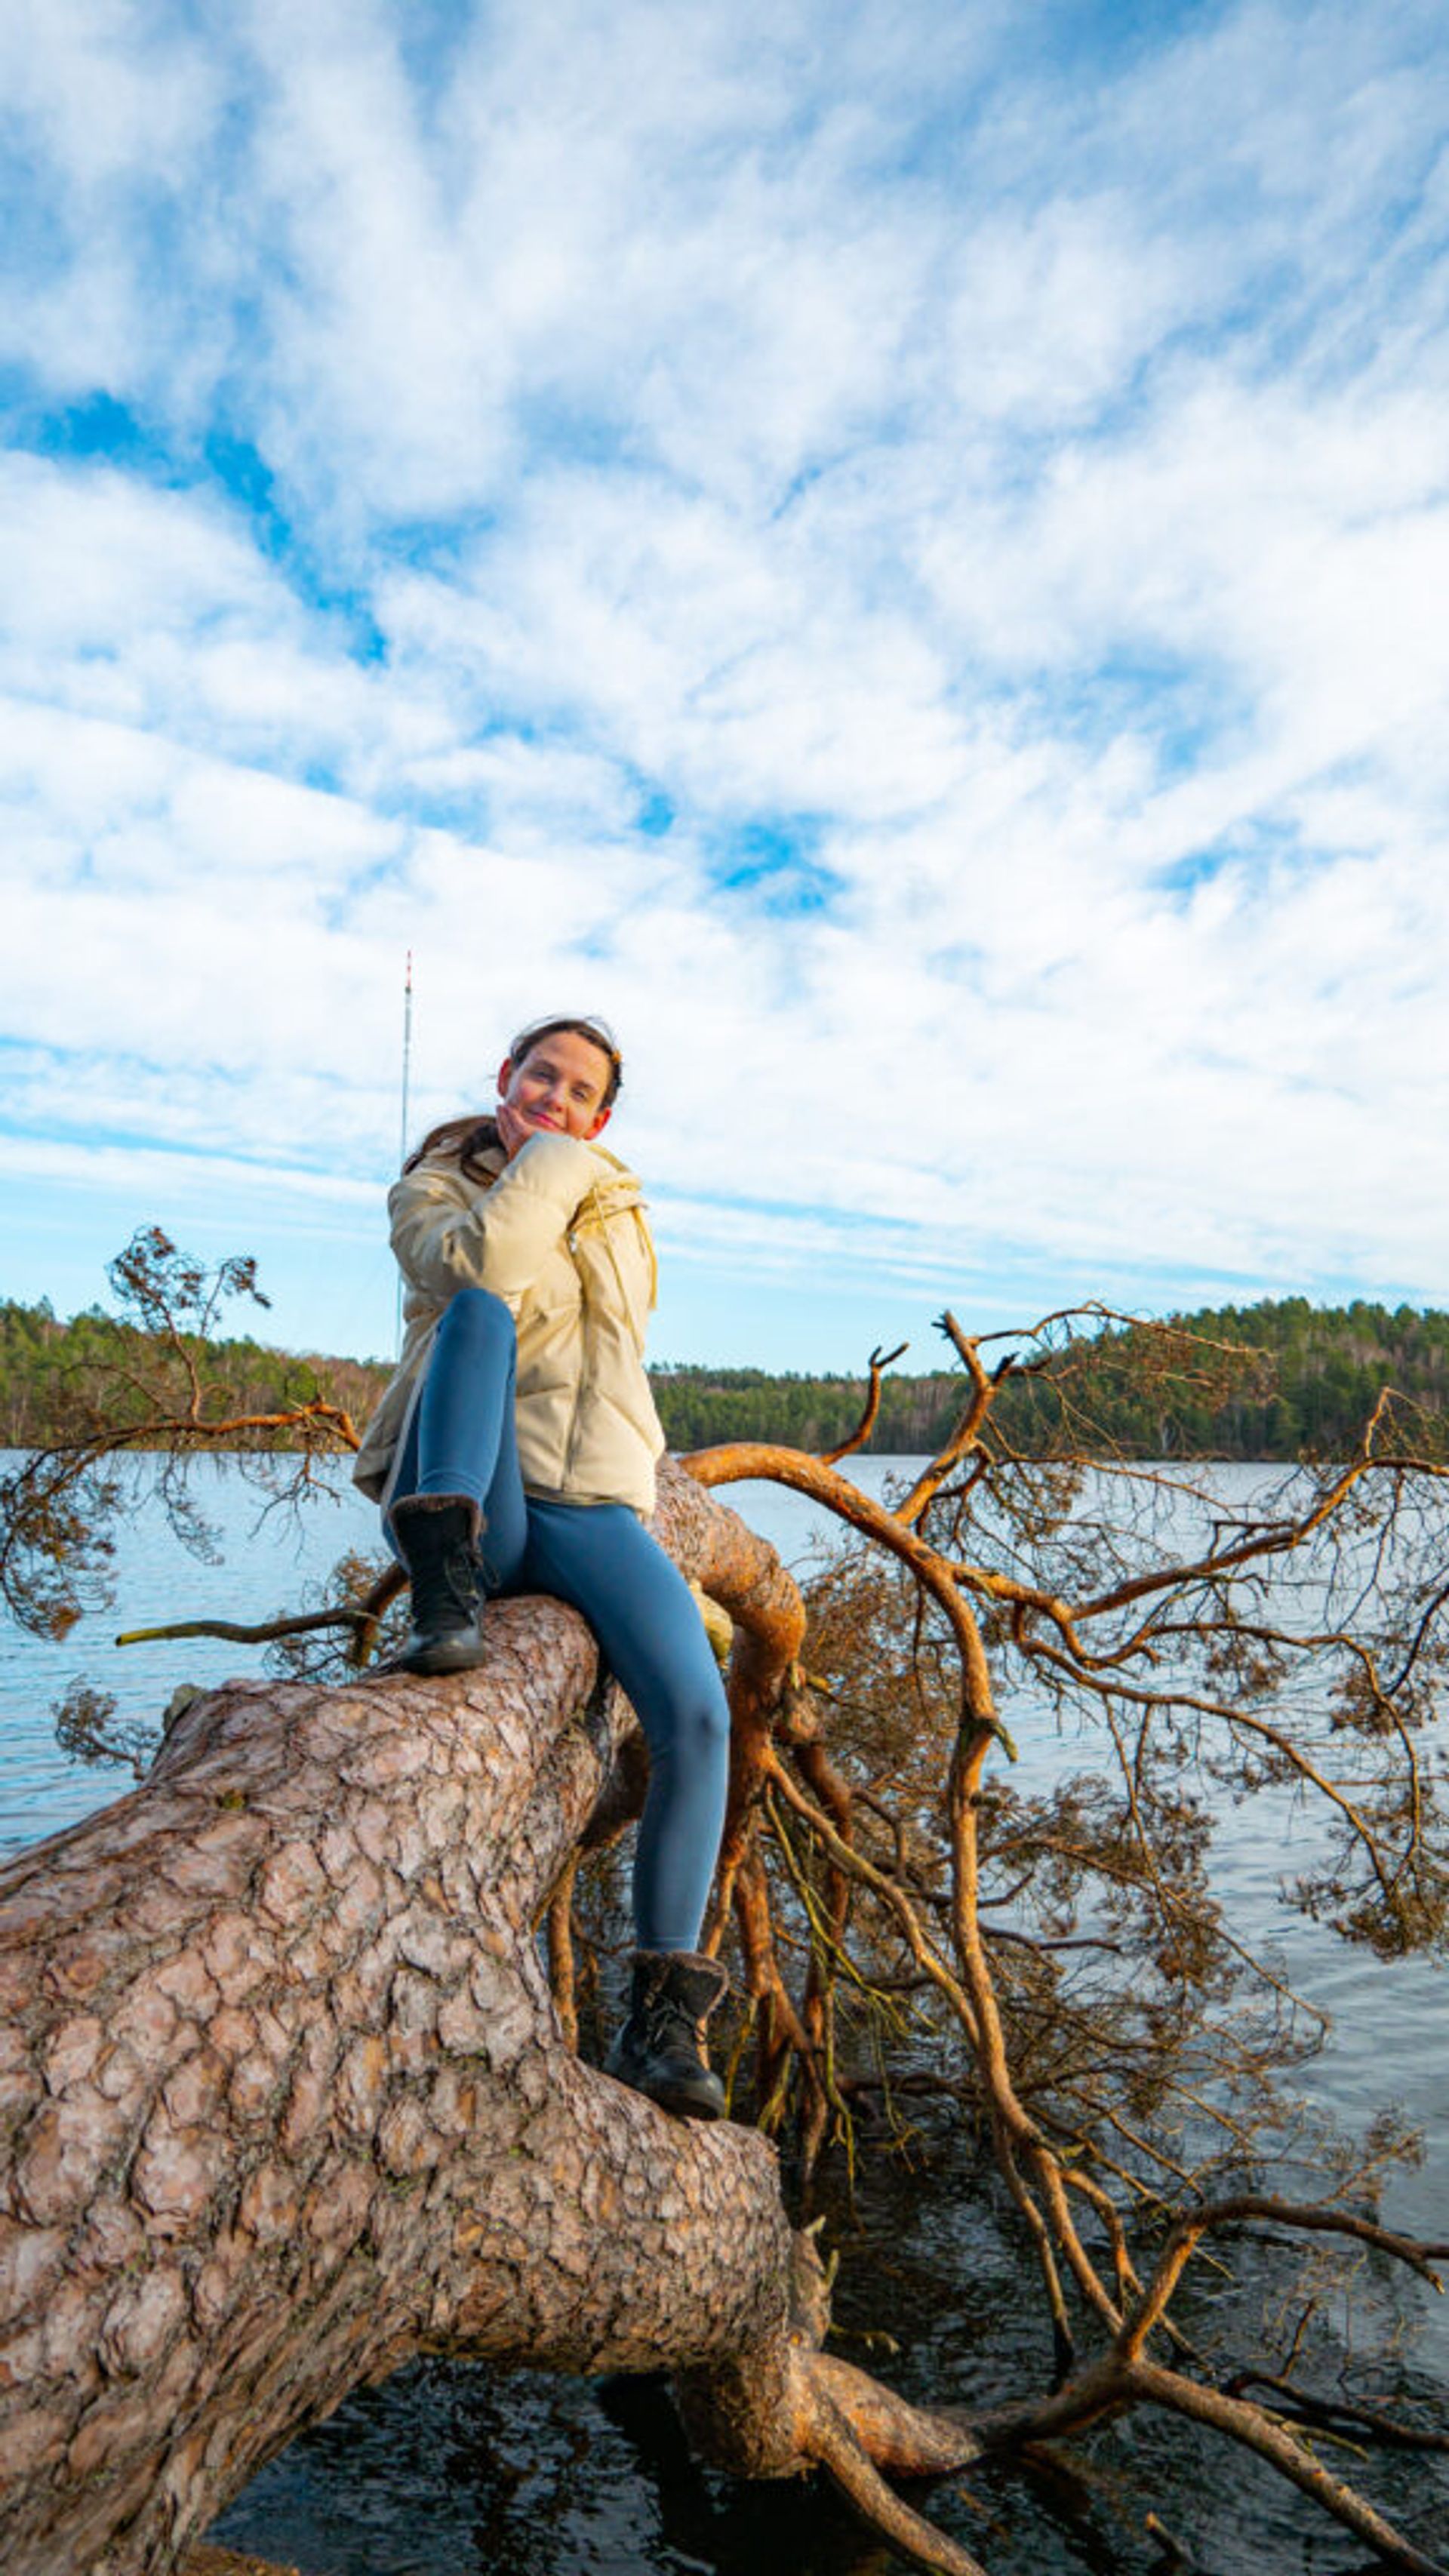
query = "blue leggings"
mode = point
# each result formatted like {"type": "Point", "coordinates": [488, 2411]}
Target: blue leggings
{"type": "Point", "coordinates": [601, 1559]}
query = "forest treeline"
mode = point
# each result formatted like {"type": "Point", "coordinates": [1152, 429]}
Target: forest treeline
{"type": "Point", "coordinates": [1258, 1381]}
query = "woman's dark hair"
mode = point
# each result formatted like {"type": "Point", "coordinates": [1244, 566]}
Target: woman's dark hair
{"type": "Point", "coordinates": [471, 1136]}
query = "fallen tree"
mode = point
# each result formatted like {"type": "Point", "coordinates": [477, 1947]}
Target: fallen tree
{"type": "Point", "coordinates": [287, 2094]}
{"type": "Point", "coordinates": [286, 2100]}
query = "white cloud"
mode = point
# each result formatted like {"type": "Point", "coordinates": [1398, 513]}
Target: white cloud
{"type": "Point", "coordinates": [561, 466]}
{"type": "Point", "coordinates": [142, 1170]}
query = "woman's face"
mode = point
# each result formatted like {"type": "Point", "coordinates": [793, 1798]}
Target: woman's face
{"type": "Point", "coordinates": [558, 1090]}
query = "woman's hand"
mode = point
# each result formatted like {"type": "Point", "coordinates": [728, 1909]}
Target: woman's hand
{"type": "Point", "coordinates": [516, 1131]}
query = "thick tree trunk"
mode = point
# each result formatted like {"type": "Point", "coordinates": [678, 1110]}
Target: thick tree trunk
{"type": "Point", "coordinates": [284, 2099]}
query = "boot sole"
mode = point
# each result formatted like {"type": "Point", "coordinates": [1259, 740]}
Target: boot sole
{"type": "Point", "coordinates": [438, 1659]}
{"type": "Point", "coordinates": [685, 2107]}
{"type": "Point", "coordinates": [682, 2101]}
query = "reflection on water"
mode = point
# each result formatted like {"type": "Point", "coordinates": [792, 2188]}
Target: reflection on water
{"type": "Point", "coordinates": [450, 2469]}
{"type": "Point", "coordinates": [457, 2470]}
{"type": "Point", "coordinates": [447, 2468]}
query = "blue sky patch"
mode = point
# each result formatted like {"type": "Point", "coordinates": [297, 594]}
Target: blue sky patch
{"type": "Point", "coordinates": [1195, 868]}
{"type": "Point", "coordinates": [1184, 708]}
{"type": "Point", "coordinates": [776, 864]}
{"type": "Point", "coordinates": [95, 429]}
{"type": "Point", "coordinates": [656, 815]}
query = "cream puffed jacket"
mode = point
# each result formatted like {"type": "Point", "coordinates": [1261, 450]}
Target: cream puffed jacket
{"type": "Point", "coordinates": [559, 1234]}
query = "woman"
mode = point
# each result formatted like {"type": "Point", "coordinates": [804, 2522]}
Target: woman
{"type": "Point", "coordinates": [514, 1452]}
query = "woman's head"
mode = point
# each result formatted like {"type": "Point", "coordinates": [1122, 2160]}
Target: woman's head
{"type": "Point", "coordinates": [559, 1076]}
{"type": "Point", "coordinates": [595, 1036]}
{"type": "Point", "coordinates": [558, 1079]}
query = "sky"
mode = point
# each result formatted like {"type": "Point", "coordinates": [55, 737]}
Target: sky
{"type": "Point", "coordinates": [900, 551]}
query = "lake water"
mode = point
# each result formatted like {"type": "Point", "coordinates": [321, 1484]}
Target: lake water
{"type": "Point", "coordinates": [447, 2471]}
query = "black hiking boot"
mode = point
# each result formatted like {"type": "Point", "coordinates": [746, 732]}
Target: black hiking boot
{"type": "Point", "coordinates": [437, 1538]}
{"type": "Point", "coordinates": [661, 2050]}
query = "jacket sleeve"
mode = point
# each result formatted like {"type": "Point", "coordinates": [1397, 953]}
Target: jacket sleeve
{"type": "Point", "coordinates": [448, 1234]}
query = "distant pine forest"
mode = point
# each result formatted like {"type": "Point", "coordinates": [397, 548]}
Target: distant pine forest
{"type": "Point", "coordinates": [1270, 1380]}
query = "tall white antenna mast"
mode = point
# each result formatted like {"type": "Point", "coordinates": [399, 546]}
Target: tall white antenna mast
{"type": "Point", "coordinates": [407, 1059]}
